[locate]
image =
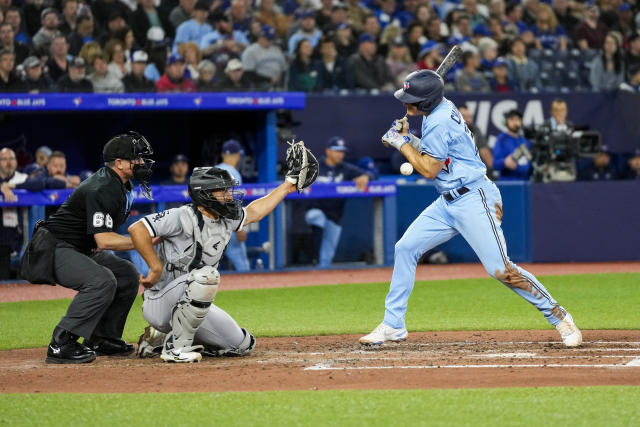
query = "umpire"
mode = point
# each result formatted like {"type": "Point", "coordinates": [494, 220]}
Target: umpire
{"type": "Point", "coordinates": [80, 235]}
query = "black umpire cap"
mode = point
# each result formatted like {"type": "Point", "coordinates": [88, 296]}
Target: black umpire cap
{"type": "Point", "coordinates": [129, 146]}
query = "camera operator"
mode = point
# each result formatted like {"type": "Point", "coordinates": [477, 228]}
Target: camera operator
{"type": "Point", "coordinates": [512, 152]}
{"type": "Point", "coordinates": [601, 169]}
{"type": "Point", "coordinates": [558, 121]}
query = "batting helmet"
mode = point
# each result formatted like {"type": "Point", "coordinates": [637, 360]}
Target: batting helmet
{"type": "Point", "coordinates": [205, 181]}
{"type": "Point", "coordinates": [424, 89]}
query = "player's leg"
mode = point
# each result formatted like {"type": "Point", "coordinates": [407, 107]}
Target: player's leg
{"type": "Point", "coordinates": [478, 217]}
{"type": "Point", "coordinates": [188, 314]}
{"type": "Point", "coordinates": [237, 252]}
{"type": "Point", "coordinates": [431, 228]}
{"type": "Point", "coordinates": [107, 336]}
{"type": "Point", "coordinates": [330, 235]}
{"type": "Point", "coordinates": [221, 336]}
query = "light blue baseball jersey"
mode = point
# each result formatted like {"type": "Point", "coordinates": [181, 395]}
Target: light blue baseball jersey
{"type": "Point", "coordinates": [446, 137]}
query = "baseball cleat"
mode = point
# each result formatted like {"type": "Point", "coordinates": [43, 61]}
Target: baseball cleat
{"type": "Point", "coordinates": [182, 355]}
{"type": "Point", "coordinates": [150, 342]}
{"type": "Point", "coordinates": [384, 333]}
{"type": "Point", "coordinates": [571, 335]}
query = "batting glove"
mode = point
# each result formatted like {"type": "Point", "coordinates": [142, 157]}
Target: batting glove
{"type": "Point", "coordinates": [394, 139]}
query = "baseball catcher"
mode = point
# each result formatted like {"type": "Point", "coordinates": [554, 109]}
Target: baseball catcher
{"type": "Point", "coordinates": [183, 278]}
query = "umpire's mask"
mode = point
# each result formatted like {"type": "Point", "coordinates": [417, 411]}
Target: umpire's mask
{"type": "Point", "coordinates": [133, 146]}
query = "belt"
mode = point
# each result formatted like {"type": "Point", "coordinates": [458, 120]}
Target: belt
{"type": "Point", "coordinates": [450, 196]}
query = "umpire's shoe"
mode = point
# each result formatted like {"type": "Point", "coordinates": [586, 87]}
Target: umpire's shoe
{"type": "Point", "coordinates": [64, 348]}
{"type": "Point", "coordinates": [109, 346]}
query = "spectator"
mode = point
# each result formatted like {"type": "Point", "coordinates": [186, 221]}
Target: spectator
{"type": "Point", "coordinates": [89, 51]}
{"type": "Point", "coordinates": [461, 32]}
{"type": "Point", "coordinates": [565, 16]}
{"type": "Point", "coordinates": [195, 28]}
{"type": "Point", "coordinates": [147, 16]}
{"type": "Point", "coordinates": [269, 14]}
{"type": "Point", "coordinates": [8, 42]}
{"type": "Point", "coordinates": [386, 14]}
{"type": "Point", "coordinates": [499, 36]}
{"type": "Point", "coordinates": [239, 16]}
{"type": "Point", "coordinates": [409, 13]}
{"type": "Point", "coordinates": [325, 215]}
{"type": "Point", "coordinates": [192, 57]}
{"type": "Point", "coordinates": [367, 69]}
{"type": "Point", "coordinates": [265, 59]}
{"type": "Point", "coordinates": [356, 14]}
{"type": "Point", "coordinates": [344, 41]}
{"type": "Point", "coordinates": [49, 26]}
{"type": "Point", "coordinates": [304, 73]}
{"type": "Point", "coordinates": [223, 42]}
{"type": "Point", "coordinates": [500, 81]}
{"type": "Point", "coordinates": [129, 42]}
{"type": "Point", "coordinates": [423, 14]}
{"type": "Point", "coordinates": [236, 250]}
{"type": "Point", "coordinates": [54, 175]}
{"type": "Point", "coordinates": [607, 70]}
{"type": "Point", "coordinates": [102, 79]}
{"type": "Point", "coordinates": [42, 157]}
{"type": "Point", "coordinates": [434, 30]}
{"type": "Point", "coordinates": [82, 35]}
{"type": "Point", "coordinates": [513, 23]}
{"type": "Point", "coordinates": [333, 68]}
{"type": "Point", "coordinates": [415, 39]}
{"type": "Point", "coordinates": [306, 31]}
{"type": "Point", "coordinates": [173, 79]}
{"type": "Point", "coordinates": [632, 57]}
{"type": "Point", "coordinates": [558, 121]}
{"type": "Point", "coordinates": [235, 79]}
{"type": "Point", "coordinates": [323, 15]}
{"type": "Point", "coordinates": [508, 153]}
{"type": "Point", "coordinates": [102, 10]}
{"type": "Point", "coordinates": [399, 62]}
{"type": "Point", "coordinates": [74, 80]}
{"type": "Point", "coordinates": [429, 57]}
{"type": "Point", "coordinates": [488, 54]}
{"type": "Point", "coordinates": [633, 83]}
{"type": "Point", "coordinates": [118, 64]}
{"type": "Point", "coordinates": [601, 169]}
{"type": "Point", "coordinates": [548, 33]}
{"type": "Point", "coordinates": [178, 171]}
{"type": "Point", "coordinates": [206, 73]}
{"type": "Point", "coordinates": [479, 138]}
{"type": "Point", "coordinates": [9, 81]}
{"type": "Point", "coordinates": [69, 16]}
{"type": "Point", "coordinates": [135, 81]}
{"type": "Point", "coordinates": [371, 26]}
{"type": "Point", "coordinates": [591, 32]}
{"type": "Point", "coordinates": [469, 79]}
{"type": "Point", "coordinates": [58, 62]}
{"type": "Point", "coordinates": [115, 26]}
{"type": "Point", "coordinates": [530, 11]}
{"type": "Point", "coordinates": [338, 17]}
{"type": "Point", "coordinates": [158, 51]}
{"type": "Point", "coordinates": [10, 231]}
{"type": "Point", "coordinates": [624, 24]}
{"type": "Point", "coordinates": [13, 18]}
{"type": "Point", "coordinates": [478, 13]}
{"type": "Point", "coordinates": [182, 12]}
{"type": "Point", "coordinates": [521, 69]}
{"type": "Point", "coordinates": [35, 81]}
{"type": "Point", "coordinates": [498, 10]}
{"type": "Point", "coordinates": [633, 172]}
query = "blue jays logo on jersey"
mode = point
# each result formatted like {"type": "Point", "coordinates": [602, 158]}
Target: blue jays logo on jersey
{"type": "Point", "coordinates": [445, 166]}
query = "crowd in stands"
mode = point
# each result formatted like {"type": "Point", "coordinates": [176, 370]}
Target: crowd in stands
{"type": "Point", "coordinates": [315, 45]}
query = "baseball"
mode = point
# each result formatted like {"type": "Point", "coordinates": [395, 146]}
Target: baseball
{"type": "Point", "coordinates": [406, 168]}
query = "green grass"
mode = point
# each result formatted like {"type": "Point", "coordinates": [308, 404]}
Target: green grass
{"type": "Point", "coordinates": [605, 406]}
{"type": "Point", "coordinates": [597, 301]}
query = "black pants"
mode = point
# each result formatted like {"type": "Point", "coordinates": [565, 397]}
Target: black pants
{"type": "Point", "coordinates": [5, 262]}
{"type": "Point", "coordinates": [107, 286]}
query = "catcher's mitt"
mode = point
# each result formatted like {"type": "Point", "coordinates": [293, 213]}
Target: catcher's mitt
{"type": "Point", "coordinates": [302, 166]}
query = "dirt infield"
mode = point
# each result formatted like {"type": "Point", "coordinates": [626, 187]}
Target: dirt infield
{"type": "Point", "coordinates": [426, 360]}
{"type": "Point", "coordinates": [27, 292]}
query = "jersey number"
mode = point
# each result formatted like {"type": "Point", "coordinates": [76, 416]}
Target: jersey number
{"type": "Point", "coordinates": [102, 220]}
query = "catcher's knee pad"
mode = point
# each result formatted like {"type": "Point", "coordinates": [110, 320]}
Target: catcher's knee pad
{"type": "Point", "coordinates": [190, 312]}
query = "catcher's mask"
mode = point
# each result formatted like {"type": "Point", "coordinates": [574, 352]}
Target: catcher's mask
{"type": "Point", "coordinates": [209, 187]}
{"type": "Point", "coordinates": [135, 147]}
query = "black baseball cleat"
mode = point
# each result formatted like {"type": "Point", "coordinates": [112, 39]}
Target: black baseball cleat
{"type": "Point", "coordinates": [110, 347]}
{"type": "Point", "coordinates": [64, 349]}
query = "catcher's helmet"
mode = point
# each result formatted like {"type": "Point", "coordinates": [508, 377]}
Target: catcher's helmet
{"type": "Point", "coordinates": [204, 181]}
{"type": "Point", "coordinates": [424, 89]}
